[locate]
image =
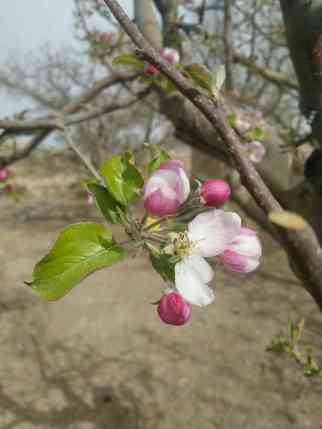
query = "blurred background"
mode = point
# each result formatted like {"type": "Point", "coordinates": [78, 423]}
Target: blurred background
{"type": "Point", "coordinates": [100, 357]}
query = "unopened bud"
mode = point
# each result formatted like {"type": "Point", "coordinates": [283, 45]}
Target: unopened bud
{"type": "Point", "coordinates": [214, 192]}
{"type": "Point", "coordinates": [173, 309]}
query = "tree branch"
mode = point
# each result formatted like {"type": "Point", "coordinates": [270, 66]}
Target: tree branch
{"type": "Point", "coordinates": [302, 246]}
{"type": "Point", "coordinates": [275, 77]}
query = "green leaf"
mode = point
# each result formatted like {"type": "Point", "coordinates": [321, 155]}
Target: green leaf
{"type": "Point", "coordinates": [164, 265]}
{"type": "Point", "coordinates": [106, 203]}
{"type": "Point", "coordinates": [129, 59]}
{"type": "Point", "coordinates": [200, 75]}
{"type": "Point", "coordinates": [256, 133]}
{"type": "Point", "coordinates": [165, 84]}
{"type": "Point", "coordinates": [232, 118]}
{"type": "Point", "coordinates": [122, 178]}
{"type": "Point", "coordinates": [154, 164]}
{"type": "Point", "coordinates": [80, 249]}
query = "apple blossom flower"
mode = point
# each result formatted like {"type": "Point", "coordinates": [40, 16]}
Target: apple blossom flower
{"type": "Point", "coordinates": [170, 55]}
{"type": "Point", "coordinates": [243, 253]}
{"type": "Point", "coordinates": [166, 189]}
{"type": "Point", "coordinates": [256, 151]}
{"type": "Point", "coordinates": [173, 309]}
{"type": "Point", "coordinates": [242, 125]}
{"type": "Point", "coordinates": [4, 174]}
{"type": "Point", "coordinates": [208, 235]}
{"type": "Point", "coordinates": [214, 192]}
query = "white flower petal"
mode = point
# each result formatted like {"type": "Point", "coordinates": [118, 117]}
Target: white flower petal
{"type": "Point", "coordinates": [185, 184]}
{"type": "Point", "coordinates": [213, 231]}
{"type": "Point", "coordinates": [251, 264]}
{"type": "Point", "coordinates": [190, 284]}
{"type": "Point", "coordinates": [201, 266]}
{"type": "Point", "coordinates": [247, 246]}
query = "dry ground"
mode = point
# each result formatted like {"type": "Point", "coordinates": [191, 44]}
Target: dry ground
{"type": "Point", "coordinates": [100, 358]}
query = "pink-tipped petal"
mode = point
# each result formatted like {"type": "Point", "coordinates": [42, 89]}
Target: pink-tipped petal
{"type": "Point", "coordinates": [170, 55]}
{"type": "Point", "coordinates": [158, 204]}
{"type": "Point", "coordinates": [213, 231]}
{"type": "Point", "coordinates": [166, 190]}
{"type": "Point", "coordinates": [244, 252]}
{"type": "Point", "coordinates": [173, 309]}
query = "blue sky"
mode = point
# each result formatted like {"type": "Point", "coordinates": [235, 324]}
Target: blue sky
{"type": "Point", "coordinates": [25, 25]}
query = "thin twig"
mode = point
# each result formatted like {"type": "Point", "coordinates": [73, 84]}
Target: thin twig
{"type": "Point", "coordinates": [88, 164]}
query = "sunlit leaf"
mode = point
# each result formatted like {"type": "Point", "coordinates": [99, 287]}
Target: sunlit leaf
{"type": "Point", "coordinates": [200, 75]}
{"type": "Point", "coordinates": [79, 250]}
{"type": "Point", "coordinates": [122, 178]}
{"type": "Point", "coordinates": [154, 164]}
{"type": "Point", "coordinates": [129, 59]}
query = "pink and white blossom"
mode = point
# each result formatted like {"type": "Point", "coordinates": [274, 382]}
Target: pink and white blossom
{"type": "Point", "coordinates": [166, 189]}
{"type": "Point", "coordinates": [208, 235]}
{"type": "Point", "coordinates": [214, 192]}
{"type": "Point", "coordinates": [242, 125]}
{"type": "Point", "coordinates": [4, 174]}
{"type": "Point", "coordinates": [173, 309]}
{"type": "Point", "coordinates": [243, 253]}
{"type": "Point", "coordinates": [256, 151]}
{"type": "Point", "coordinates": [170, 55]}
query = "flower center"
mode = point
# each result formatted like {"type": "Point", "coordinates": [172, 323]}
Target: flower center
{"type": "Point", "coordinates": [182, 244]}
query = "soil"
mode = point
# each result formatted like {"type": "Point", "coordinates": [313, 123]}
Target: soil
{"type": "Point", "coordinates": [100, 357]}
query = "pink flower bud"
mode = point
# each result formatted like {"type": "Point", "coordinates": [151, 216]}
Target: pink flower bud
{"type": "Point", "coordinates": [256, 151]}
{"type": "Point", "coordinates": [242, 255]}
{"type": "Point", "coordinates": [4, 174]}
{"type": "Point", "coordinates": [173, 309]}
{"type": "Point", "coordinates": [167, 189]}
{"type": "Point", "coordinates": [170, 55]}
{"type": "Point", "coordinates": [214, 192]}
{"type": "Point", "coordinates": [89, 199]}
{"type": "Point", "coordinates": [150, 69]}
